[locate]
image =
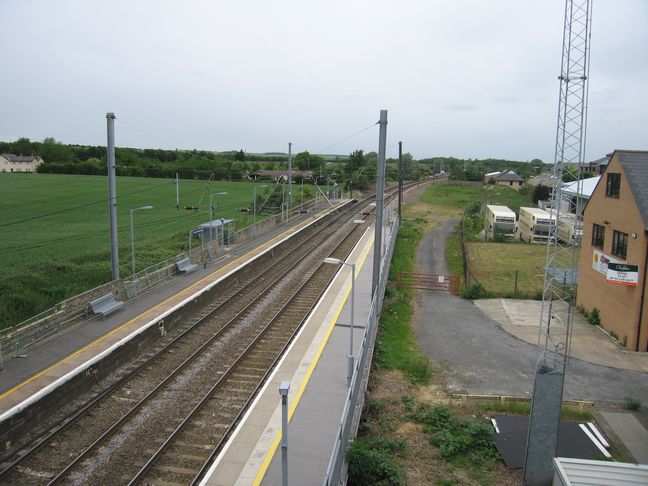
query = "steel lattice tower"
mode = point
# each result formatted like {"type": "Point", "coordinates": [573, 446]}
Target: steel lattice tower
{"type": "Point", "coordinates": [559, 289]}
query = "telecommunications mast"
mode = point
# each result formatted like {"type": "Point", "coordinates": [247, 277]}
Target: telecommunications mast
{"type": "Point", "coordinates": [559, 291]}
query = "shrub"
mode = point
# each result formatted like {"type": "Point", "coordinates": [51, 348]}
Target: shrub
{"type": "Point", "coordinates": [372, 467]}
{"type": "Point", "coordinates": [456, 437]}
{"type": "Point", "coordinates": [594, 317]}
{"type": "Point", "coordinates": [473, 291]}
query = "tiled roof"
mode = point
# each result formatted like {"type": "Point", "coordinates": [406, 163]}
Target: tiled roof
{"type": "Point", "coordinates": [19, 158]}
{"type": "Point", "coordinates": [508, 175]}
{"type": "Point", "coordinates": [635, 166]}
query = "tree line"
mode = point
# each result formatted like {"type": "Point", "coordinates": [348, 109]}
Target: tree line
{"type": "Point", "coordinates": [358, 170]}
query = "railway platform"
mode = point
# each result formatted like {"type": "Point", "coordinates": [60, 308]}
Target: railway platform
{"type": "Point", "coordinates": [316, 366]}
{"type": "Point", "coordinates": [28, 378]}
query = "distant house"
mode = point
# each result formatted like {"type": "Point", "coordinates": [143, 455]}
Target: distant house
{"type": "Point", "coordinates": [490, 175]}
{"type": "Point", "coordinates": [19, 163]}
{"type": "Point", "coordinates": [279, 175]}
{"type": "Point", "coordinates": [507, 178]}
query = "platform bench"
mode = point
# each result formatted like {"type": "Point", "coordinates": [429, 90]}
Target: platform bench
{"type": "Point", "coordinates": [106, 304]}
{"type": "Point", "coordinates": [185, 266]}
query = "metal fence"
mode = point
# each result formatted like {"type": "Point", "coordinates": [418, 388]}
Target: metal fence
{"type": "Point", "coordinates": [17, 340]}
{"type": "Point", "coordinates": [336, 470]}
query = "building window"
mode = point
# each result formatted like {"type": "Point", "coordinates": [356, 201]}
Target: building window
{"type": "Point", "coordinates": [620, 244]}
{"type": "Point", "coordinates": [598, 235]}
{"type": "Point", "coordinates": [613, 185]}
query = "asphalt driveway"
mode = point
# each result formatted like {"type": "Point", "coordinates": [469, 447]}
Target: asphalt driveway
{"type": "Point", "coordinates": [482, 358]}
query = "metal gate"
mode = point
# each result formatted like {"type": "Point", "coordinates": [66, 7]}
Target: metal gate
{"type": "Point", "coordinates": [427, 281]}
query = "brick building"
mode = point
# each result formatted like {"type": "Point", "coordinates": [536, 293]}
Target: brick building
{"type": "Point", "coordinates": [614, 252]}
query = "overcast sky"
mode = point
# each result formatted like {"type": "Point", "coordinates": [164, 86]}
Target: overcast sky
{"type": "Point", "coordinates": [464, 78]}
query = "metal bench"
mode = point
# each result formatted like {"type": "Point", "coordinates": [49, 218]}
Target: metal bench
{"type": "Point", "coordinates": [185, 266]}
{"type": "Point", "coordinates": [105, 305]}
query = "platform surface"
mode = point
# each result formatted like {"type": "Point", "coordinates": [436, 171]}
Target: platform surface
{"type": "Point", "coordinates": [316, 366]}
{"type": "Point", "coordinates": [23, 378]}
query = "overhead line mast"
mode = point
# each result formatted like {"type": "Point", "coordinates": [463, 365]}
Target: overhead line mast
{"type": "Point", "coordinates": [559, 289]}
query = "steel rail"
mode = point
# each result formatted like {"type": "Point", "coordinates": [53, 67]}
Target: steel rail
{"type": "Point", "coordinates": [149, 464]}
{"type": "Point", "coordinates": [64, 423]}
{"type": "Point", "coordinates": [199, 351]}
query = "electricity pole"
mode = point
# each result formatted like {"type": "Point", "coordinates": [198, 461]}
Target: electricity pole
{"type": "Point", "coordinates": [380, 198]}
{"type": "Point", "coordinates": [112, 196]}
{"type": "Point", "coordinates": [289, 175]}
{"type": "Point", "coordinates": [400, 177]}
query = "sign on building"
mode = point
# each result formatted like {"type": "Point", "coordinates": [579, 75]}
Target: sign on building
{"type": "Point", "coordinates": [622, 273]}
{"type": "Point", "coordinates": [600, 262]}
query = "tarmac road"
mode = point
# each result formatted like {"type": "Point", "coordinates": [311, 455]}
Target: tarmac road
{"type": "Point", "coordinates": [482, 358]}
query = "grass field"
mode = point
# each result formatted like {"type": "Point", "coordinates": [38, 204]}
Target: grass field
{"type": "Point", "coordinates": [462, 196]}
{"type": "Point", "coordinates": [54, 231]}
{"type": "Point", "coordinates": [494, 265]}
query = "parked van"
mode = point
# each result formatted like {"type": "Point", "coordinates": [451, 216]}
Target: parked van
{"type": "Point", "coordinates": [499, 219]}
{"type": "Point", "coordinates": [567, 231]}
{"type": "Point", "coordinates": [535, 225]}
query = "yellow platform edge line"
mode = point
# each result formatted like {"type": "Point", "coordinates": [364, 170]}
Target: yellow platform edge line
{"type": "Point", "coordinates": [275, 443]}
{"type": "Point", "coordinates": [224, 269]}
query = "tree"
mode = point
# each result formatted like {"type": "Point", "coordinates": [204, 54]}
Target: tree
{"type": "Point", "coordinates": [541, 193]}
{"type": "Point", "coordinates": [240, 156]}
{"type": "Point", "coordinates": [53, 151]}
{"type": "Point", "coordinates": [22, 146]}
{"type": "Point", "coordinates": [307, 161]}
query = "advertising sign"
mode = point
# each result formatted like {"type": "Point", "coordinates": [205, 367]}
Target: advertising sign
{"type": "Point", "coordinates": [600, 262]}
{"type": "Point", "coordinates": [622, 273]}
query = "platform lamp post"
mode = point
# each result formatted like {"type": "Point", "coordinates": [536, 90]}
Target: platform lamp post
{"type": "Point", "coordinates": [284, 388]}
{"type": "Point", "coordinates": [350, 359]}
{"type": "Point", "coordinates": [132, 228]}
{"type": "Point", "coordinates": [254, 207]}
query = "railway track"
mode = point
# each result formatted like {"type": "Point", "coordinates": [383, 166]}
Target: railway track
{"type": "Point", "coordinates": [162, 418]}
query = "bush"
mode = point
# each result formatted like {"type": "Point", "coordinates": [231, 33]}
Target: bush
{"type": "Point", "coordinates": [456, 437]}
{"type": "Point", "coordinates": [594, 317]}
{"type": "Point", "coordinates": [372, 467]}
{"type": "Point", "coordinates": [474, 291]}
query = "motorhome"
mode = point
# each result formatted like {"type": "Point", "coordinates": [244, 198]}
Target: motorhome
{"type": "Point", "coordinates": [499, 220]}
{"type": "Point", "coordinates": [535, 225]}
{"type": "Point", "coordinates": [569, 229]}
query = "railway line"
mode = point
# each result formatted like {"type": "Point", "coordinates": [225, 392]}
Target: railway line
{"type": "Point", "coordinates": [165, 417]}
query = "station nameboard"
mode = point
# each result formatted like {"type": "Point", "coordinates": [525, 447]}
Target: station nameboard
{"type": "Point", "coordinates": [622, 273]}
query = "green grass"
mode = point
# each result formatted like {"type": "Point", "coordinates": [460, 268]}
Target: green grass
{"type": "Point", "coordinates": [396, 347]}
{"type": "Point", "coordinates": [495, 264]}
{"type": "Point", "coordinates": [463, 195]}
{"type": "Point", "coordinates": [54, 231]}
{"type": "Point", "coordinates": [515, 407]}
